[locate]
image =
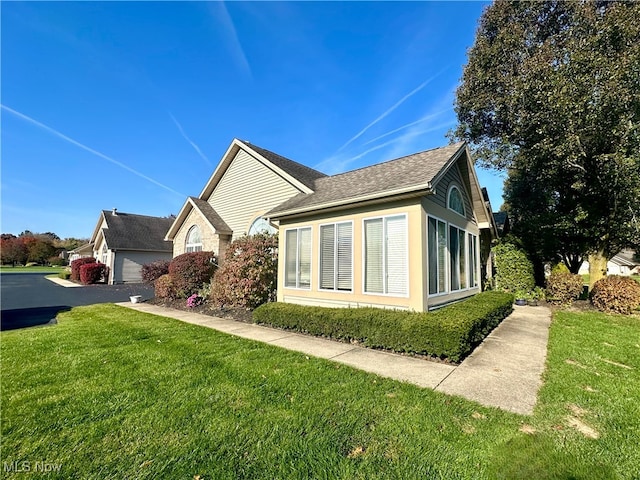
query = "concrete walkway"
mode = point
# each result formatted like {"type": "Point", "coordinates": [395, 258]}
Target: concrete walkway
{"type": "Point", "coordinates": [504, 371]}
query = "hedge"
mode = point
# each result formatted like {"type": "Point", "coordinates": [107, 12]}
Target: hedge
{"type": "Point", "coordinates": [451, 332]}
{"type": "Point", "coordinates": [76, 264]}
{"type": "Point", "coordinates": [190, 271]}
{"type": "Point", "coordinates": [92, 272]}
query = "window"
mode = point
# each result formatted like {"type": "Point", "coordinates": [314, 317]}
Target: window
{"type": "Point", "coordinates": [104, 253]}
{"type": "Point", "coordinates": [452, 254]}
{"type": "Point", "coordinates": [457, 257]}
{"type": "Point", "coordinates": [261, 225]}
{"type": "Point", "coordinates": [385, 255]}
{"type": "Point", "coordinates": [298, 258]}
{"type": "Point", "coordinates": [336, 265]}
{"type": "Point", "coordinates": [456, 201]}
{"type": "Point", "coordinates": [437, 255]}
{"type": "Point", "coordinates": [194, 241]}
{"type": "Point", "coordinates": [473, 260]}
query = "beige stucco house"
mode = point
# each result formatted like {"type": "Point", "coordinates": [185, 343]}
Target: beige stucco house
{"type": "Point", "coordinates": [400, 234]}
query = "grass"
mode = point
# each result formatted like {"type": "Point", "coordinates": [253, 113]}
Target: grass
{"type": "Point", "coordinates": [36, 269]}
{"type": "Point", "coordinates": [114, 393]}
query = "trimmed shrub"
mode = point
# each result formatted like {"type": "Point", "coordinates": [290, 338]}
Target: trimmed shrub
{"type": "Point", "coordinates": [65, 274]}
{"type": "Point", "coordinates": [164, 287]}
{"type": "Point", "coordinates": [91, 273]}
{"type": "Point", "coordinates": [249, 275]}
{"type": "Point", "coordinates": [57, 261]}
{"type": "Point", "coordinates": [154, 270]}
{"type": "Point", "coordinates": [615, 294]}
{"type": "Point", "coordinates": [563, 287]}
{"type": "Point", "coordinates": [451, 332]}
{"type": "Point", "coordinates": [190, 271]}
{"type": "Point", "coordinates": [76, 264]}
{"type": "Point", "coordinates": [514, 270]}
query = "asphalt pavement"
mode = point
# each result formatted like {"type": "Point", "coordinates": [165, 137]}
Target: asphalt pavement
{"type": "Point", "coordinates": [30, 299]}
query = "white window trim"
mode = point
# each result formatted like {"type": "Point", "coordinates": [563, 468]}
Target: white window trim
{"type": "Point", "coordinates": [335, 289]}
{"type": "Point", "coordinates": [297, 287]}
{"type": "Point", "coordinates": [447, 277]}
{"type": "Point", "coordinates": [448, 290]}
{"type": "Point", "coordinates": [453, 185]}
{"type": "Point", "coordinates": [384, 254]}
{"type": "Point", "coordinates": [194, 246]}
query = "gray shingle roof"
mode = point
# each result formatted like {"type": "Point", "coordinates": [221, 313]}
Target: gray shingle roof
{"type": "Point", "coordinates": [402, 174]}
{"type": "Point", "coordinates": [302, 173]}
{"type": "Point", "coordinates": [211, 215]}
{"type": "Point", "coordinates": [128, 231]}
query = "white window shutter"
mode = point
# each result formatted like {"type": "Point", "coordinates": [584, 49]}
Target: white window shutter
{"type": "Point", "coordinates": [373, 234]}
{"type": "Point", "coordinates": [304, 258]}
{"type": "Point", "coordinates": [396, 244]}
{"type": "Point", "coordinates": [344, 253]}
{"type": "Point", "coordinates": [327, 256]}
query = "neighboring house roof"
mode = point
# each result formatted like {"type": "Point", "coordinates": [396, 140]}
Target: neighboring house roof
{"type": "Point", "coordinates": [86, 248]}
{"type": "Point", "coordinates": [501, 221]}
{"type": "Point", "coordinates": [411, 175]}
{"type": "Point", "coordinates": [128, 231]}
{"type": "Point", "coordinates": [626, 258]}
{"type": "Point", "coordinates": [206, 210]}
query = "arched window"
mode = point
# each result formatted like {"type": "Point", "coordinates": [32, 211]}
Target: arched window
{"type": "Point", "coordinates": [456, 201]}
{"type": "Point", "coordinates": [261, 225]}
{"type": "Point", "coordinates": [194, 241]}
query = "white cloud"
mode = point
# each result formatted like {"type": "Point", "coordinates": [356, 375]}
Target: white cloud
{"type": "Point", "coordinates": [191, 142]}
{"type": "Point", "coordinates": [88, 149]}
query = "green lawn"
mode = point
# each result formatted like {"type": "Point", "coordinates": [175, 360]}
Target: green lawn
{"type": "Point", "coordinates": [113, 393]}
{"type": "Point", "coordinates": [10, 269]}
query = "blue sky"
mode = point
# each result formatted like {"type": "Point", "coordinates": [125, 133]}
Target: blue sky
{"type": "Point", "coordinates": [132, 104]}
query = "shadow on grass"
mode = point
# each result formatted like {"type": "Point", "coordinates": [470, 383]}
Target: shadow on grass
{"type": "Point", "coordinates": [30, 317]}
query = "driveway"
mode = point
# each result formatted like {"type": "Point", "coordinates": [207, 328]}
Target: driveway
{"type": "Point", "coordinates": [29, 299]}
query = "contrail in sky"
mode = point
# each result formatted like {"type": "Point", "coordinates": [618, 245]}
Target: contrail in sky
{"type": "Point", "coordinates": [191, 142]}
{"type": "Point", "coordinates": [396, 105]}
{"type": "Point", "coordinates": [88, 149]}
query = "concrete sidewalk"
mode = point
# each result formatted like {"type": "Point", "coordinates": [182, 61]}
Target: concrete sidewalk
{"type": "Point", "coordinates": [504, 372]}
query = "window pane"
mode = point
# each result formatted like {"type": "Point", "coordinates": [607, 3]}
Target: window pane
{"type": "Point", "coordinates": [442, 257]}
{"type": "Point", "coordinates": [373, 256]}
{"type": "Point", "coordinates": [290, 258]}
{"type": "Point", "coordinates": [345, 264]}
{"type": "Point", "coordinates": [472, 260]}
{"type": "Point", "coordinates": [327, 256]}
{"type": "Point", "coordinates": [454, 252]}
{"type": "Point", "coordinates": [304, 258]}
{"type": "Point", "coordinates": [396, 243]}
{"type": "Point", "coordinates": [432, 252]}
{"type": "Point", "coordinates": [456, 202]}
{"type": "Point", "coordinates": [462, 259]}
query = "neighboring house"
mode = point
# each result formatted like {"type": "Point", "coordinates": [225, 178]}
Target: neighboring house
{"type": "Point", "coordinates": [248, 182]}
{"type": "Point", "coordinates": [400, 234]}
{"type": "Point", "coordinates": [624, 263]}
{"type": "Point", "coordinates": [82, 251]}
{"type": "Point", "coordinates": [125, 242]}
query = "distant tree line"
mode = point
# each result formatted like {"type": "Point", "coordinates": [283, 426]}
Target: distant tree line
{"type": "Point", "coordinates": [41, 248]}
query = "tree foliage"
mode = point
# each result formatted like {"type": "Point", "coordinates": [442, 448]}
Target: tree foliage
{"type": "Point", "coordinates": [551, 93]}
{"type": "Point", "coordinates": [248, 276]}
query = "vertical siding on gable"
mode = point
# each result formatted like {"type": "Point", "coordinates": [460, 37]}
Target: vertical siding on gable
{"type": "Point", "coordinates": [248, 189]}
{"type": "Point", "coordinates": [442, 189]}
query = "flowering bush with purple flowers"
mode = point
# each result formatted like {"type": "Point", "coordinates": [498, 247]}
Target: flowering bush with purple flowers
{"type": "Point", "coordinates": [194, 300]}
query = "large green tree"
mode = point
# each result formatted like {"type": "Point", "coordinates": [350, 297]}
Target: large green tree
{"type": "Point", "coordinates": [551, 93]}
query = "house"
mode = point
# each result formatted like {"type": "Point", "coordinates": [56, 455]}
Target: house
{"type": "Point", "coordinates": [125, 242]}
{"type": "Point", "coordinates": [248, 182]}
{"type": "Point", "coordinates": [85, 250]}
{"type": "Point", "coordinates": [400, 234]}
{"type": "Point", "coordinates": [625, 263]}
